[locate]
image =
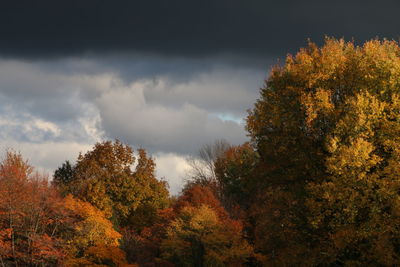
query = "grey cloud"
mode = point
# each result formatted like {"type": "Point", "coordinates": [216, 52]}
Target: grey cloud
{"type": "Point", "coordinates": [90, 99]}
{"type": "Point", "coordinates": [29, 89]}
{"type": "Point", "coordinates": [29, 94]}
{"type": "Point", "coordinates": [220, 90]}
{"type": "Point", "coordinates": [51, 110]}
{"type": "Point", "coordinates": [127, 115]}
{"type": "Point", "coordinates": [223, 82]}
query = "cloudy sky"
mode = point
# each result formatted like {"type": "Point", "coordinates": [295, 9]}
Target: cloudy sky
{"type": "Point", "coordinates": [168, 76]}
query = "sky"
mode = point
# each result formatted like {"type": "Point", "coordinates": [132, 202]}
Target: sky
{"type": "Point", "coordinates": [167, 76]}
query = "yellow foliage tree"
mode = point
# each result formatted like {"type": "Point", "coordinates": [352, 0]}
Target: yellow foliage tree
{"type": "Point", "coordinates": [93, 240]}
{"type": "Point", "coordinates": [327, 130]}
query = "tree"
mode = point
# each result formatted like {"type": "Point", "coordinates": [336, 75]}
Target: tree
{"type": "Point", "coordinates": [327, 131]}
{"type": "Point", "coordinates": [63, 177]}
{"type": "Point", "coordinates": [105, 178]}
{"type": "Point", "coordinates": [198, 238]}
{"type": "Point", "coordinates": [40, 228]}
{"type": "Point", "coordinates": [202, 233]}
{"type": "Point", "coordinates": [235, 171]}
{"type": "Point", "coordinates": [144, 247]}
{"type": "Point", "coordinates": [358, 203]}
{"type": "Point", "coordinates": [92, 239]}
{"type": "Point", "coordinates": [30, 216]}
{"type": "Point", "coordinates": [195, 231]}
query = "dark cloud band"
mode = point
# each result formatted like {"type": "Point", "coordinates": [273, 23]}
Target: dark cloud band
{"type": "Point", "coordinates": [187, 28]}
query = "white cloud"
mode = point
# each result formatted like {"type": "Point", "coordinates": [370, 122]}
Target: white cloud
{"type": "Point", "coordinates": [173, 168]}
{"type": "Point", "coordinates": [47, 126]}
{"type": "Point", "coordinates": [46, 156]}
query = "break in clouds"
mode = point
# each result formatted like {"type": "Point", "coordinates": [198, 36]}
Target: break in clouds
{"type": "Point", "coordinates": [53, 109]}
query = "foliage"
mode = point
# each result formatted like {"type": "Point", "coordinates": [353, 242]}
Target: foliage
{"type": "Point", "coordinates": [178, 237]}
{"type": "Point", "coordinates": [92, 240]}
{"type": "Point", "coordinates": [30, 216]}
{"type": "Point", "coordinates": [91, 226]}
{"type": "Point", "coordinates": [202, 233]}
{"type": "Point", "coordinates": [63, 176]}
{"type": "Point", "coordinates": [234, 170]}
{"type": "Point", "coordinates": [197, 237]}
{"type": "Point", "coordinates": [198, 195]}
{"type": "Point", "coordinates": [104, 177]}
{"type": "Point", "coordinates": [327, 131]}
{"type": "Point", "coordinates": [40, 228]}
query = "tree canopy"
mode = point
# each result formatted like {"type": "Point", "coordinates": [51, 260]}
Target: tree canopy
{"type": "Point", "coordinates": [112, 179]}
{"type": "Point", "coordinates": [327, 130]}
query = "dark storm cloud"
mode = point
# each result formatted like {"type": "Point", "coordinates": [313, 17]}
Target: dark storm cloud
{"type": "Point", "coordinates": [187, 28]}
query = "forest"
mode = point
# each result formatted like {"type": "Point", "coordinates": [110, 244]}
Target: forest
{"type": "Point", "coordinates": [318, 184]}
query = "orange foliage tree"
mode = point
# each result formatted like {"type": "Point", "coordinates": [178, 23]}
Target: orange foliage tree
{"type": "Point", "coordinates": [40, 228]}
{"type": "Point", "coordinates": [92, 239]}
{"type": "Point", "coordinates": [30, 216]}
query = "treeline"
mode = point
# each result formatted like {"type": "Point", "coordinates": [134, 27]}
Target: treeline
{"type": "Point", "coordinates": [108, 209]}
{"type": "Point", "coordinates": [317, 185]}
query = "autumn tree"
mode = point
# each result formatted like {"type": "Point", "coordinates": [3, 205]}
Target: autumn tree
{"type": "Point", "coordinates": [144, 247]}
{"type": "Point", "coordinates": [92, 239]}
{"type": "Point", "coordinates": [40, 228]}
{"type": "Point", "coordinates": [236, 170]}
{"type": "Point", "coordinates": [114, 181]}
{"type": "Point", "coordinates": [202, 233]}
{"type": "Point", "coordinates": [197, 237]}
{"type": "Point", "coordinates": [326, 128]}
{"type": "Point", "coordinates": [195, 231]}
{"type": "Point", "coordinates": [30, 216]}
